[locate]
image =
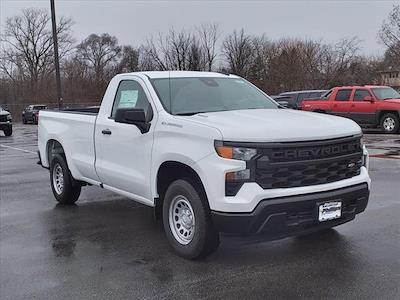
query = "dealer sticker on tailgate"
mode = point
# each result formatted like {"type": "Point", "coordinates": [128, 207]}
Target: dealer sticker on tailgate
{"type": "Point", "coordinates": [330, 211]}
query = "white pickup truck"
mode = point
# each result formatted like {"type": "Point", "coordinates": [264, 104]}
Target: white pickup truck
{"type": "Point", "coordinates": [212, 154]}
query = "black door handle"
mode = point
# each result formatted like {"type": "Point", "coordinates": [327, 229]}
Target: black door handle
{"type": "Point", "coordinates": [106, 131]}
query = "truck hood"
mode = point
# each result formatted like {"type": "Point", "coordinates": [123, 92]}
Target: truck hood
{"type": "Point", "coordinates": [277, 125]}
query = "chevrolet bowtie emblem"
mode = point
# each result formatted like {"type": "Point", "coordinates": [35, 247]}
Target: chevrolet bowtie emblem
{"type": "Point", "coordinates": [351, 165]}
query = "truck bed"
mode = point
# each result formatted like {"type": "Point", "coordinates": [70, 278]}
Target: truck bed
{"type": "Point", "coordinates": [74, 130]}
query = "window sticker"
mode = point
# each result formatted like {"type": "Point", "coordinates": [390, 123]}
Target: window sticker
{"type": "Point", "coordinates": [128, 98]}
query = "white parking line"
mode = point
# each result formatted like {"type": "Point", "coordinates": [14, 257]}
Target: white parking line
{"type": "Point", "coordinates": [18, 149]}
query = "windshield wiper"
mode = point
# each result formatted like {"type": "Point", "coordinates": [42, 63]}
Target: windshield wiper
{"type": "Point", "coordinates": [187, 114]}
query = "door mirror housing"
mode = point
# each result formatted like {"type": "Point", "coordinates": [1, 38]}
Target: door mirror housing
{"type": "Point", "coordinates": [134, 116]}
{"type": "Point", "coordinates": [369, 99]}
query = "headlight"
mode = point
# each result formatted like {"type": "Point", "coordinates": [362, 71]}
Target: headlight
{"type": "Point", "coordinates": [9, 118]}
{"type": "Point", "coordinates": [234, 180]}
{"type": "Point", "coordinates": [238, 153]}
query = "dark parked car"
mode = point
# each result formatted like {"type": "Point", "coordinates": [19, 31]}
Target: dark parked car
{"type": "Point", "coordinates": [294, 99]}
{"type": "Point", "coordinates": [5, 121]}
{"type": "Point", "coordinates": [31, 113]}
{"type": "Point", "coordinates": [281, 100]}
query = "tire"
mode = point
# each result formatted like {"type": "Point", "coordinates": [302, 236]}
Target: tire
{"type": "Point", "coordinates": [390, 123]}
{"type": "Point", "coordinates": [186, 199]}
{"type": "Point", "coordinates": [35, 121]}
{"type": "Point", "coordinates": [24, 121]}
{"type": "Point", "coordinates": [68, 191]}
{"type": "Point", "coordinates": [8, 131]}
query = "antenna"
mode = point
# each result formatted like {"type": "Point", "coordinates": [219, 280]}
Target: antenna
{"type": "Point", "coordinates": [170, 94]}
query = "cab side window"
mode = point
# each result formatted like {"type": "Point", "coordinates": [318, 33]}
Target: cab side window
{"type": "Point", "coordinates": [343, 95]}
{"type": "Point", "coordinates": [361, 94]}
{"type": "Point", "coordinates": [130, 94]}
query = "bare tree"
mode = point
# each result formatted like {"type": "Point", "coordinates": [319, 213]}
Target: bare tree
{"type": "Point", "coordinates": [153, 55]}
{"type": "Point", "coordinates": [208, 37]}
{"type": "Point", "coordinates": [75, 77]}
{"type": "Point", "coordinates": [177, 49]}
{"type": "Point", "coordinates": [260, 71]}
{"type": "Point", "coordinates": [390, 33]}
{"type": "Point", "coordinates": [238, 51]}
{"type": "Point", "coordinates": [99, 52]}
{"type": "Point", "coordinates": [181, 50]}
{"type": "Point", "coordinates": [27, 46]}
{"type": "Point", "coordinates": [129, 61]}
{"type": "Point", "coordinates": [337, 59]}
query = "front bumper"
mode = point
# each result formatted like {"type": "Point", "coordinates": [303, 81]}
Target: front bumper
{"type": "Point", "coordinates": [293, 215]}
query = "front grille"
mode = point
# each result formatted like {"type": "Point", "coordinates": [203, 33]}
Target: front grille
{"type": "Point", "coordinates": [288, 165]}
{"type": "Point", "coordinates": [3, 118]}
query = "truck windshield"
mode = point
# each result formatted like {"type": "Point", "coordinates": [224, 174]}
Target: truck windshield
{"type": "Point", "coordinates": [188, 96]}
{"type": "Point", "coordinates": [386, 93]}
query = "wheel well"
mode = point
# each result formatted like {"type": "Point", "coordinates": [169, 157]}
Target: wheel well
{"type": "Point", "coordinates": [383, 112]}
{"type": "Point", "coordinates": [169, 172]}
{"type": "Point", "coordinates": [54, 147]}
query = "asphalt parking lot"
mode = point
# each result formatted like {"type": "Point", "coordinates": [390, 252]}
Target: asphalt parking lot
{"type": "Point", "coordinates": [107, 246]}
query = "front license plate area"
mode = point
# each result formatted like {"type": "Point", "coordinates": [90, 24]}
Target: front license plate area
{"type": "Point", "coordinates": [329, 211]}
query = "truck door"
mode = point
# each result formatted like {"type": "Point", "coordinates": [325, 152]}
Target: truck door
{"type": "Point", "coordinates": [341, 104]}
{"type": "Point", "coordinates": [363, 107]}
{"type": "Point", "coordinates": [123, 153]}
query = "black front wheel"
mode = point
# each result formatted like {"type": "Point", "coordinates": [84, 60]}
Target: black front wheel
{"type": "Point", "coordinates": [8, 131]}
{"type": "Point", "coordinates": [65, 188]}
{"type": "Point", "coordinates": [187, 220]}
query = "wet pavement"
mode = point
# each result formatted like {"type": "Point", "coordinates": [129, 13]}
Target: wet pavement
{"type": "Point", "coordinates": [107, 246]}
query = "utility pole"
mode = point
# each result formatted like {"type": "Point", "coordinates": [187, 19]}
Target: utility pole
{"type": "Point", "coordinates": [56, 62]}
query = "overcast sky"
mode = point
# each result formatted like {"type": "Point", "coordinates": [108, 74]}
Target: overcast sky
{"type": "Point", "coordinates": [132, 21]}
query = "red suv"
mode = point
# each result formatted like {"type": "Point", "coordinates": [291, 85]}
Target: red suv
{"type": "Point", "coordinates": [367, 105]}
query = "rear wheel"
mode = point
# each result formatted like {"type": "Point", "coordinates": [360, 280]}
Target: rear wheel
{"type": "Point", "coordinates": [65, 189]}
{"type": "Point", "coordinates": [187, 220]}
{"type": "Point", "coordinates": [8, 131]}
{"type": "Point", "coordinates": [390, 123]}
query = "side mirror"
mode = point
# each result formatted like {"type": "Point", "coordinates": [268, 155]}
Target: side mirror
{"type": "Point", "coordinates": [134, 116]}
{"type": "Point", "coordinates": [369, 99]}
